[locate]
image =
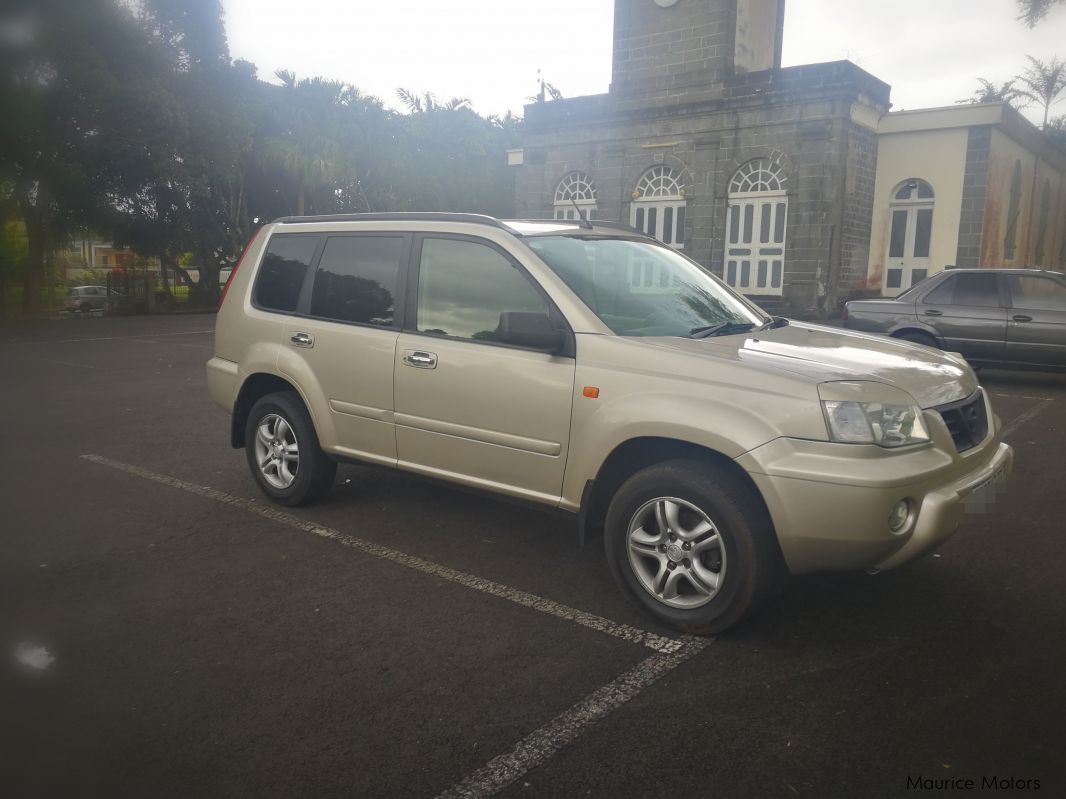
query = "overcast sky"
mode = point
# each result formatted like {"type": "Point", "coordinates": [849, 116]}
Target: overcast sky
{"type": "Point", "coordinates": [930, 51]}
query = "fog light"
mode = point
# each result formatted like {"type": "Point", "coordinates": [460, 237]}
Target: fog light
{"type": "Point", "coordinates": [901, 512]}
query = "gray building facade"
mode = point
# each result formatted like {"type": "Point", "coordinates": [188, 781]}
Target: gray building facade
{"type": "Point", "coordinates": [763, 174]}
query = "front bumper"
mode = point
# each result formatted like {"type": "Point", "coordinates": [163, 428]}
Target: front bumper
{"type": "Point", "coordinates": [830, 502]}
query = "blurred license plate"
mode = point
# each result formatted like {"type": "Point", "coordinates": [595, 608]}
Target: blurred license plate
{"type": "Point", "coordinates": [983, 496]}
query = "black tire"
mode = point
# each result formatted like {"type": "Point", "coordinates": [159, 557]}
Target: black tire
{"type": "Point", "coordinates": [751, 571]}
{"type": "Point", "coordinates": [314, 472]}
{"type": "Point", "coordinates": [86, 309]}
{"type": "Point", "coordinates": [917, 337]}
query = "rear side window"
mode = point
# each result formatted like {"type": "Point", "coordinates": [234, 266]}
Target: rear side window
{"type": "Point", "coordinates": [282, 273]}
{"type": "Point", "coordinates": [967, 289]}
{"type": "Point", "coordinates": [356, 279]}
{"type": "Point", "coordinates": [1037, 293]}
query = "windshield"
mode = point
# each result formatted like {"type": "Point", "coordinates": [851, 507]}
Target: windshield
{"type": "Point", "coordinates": [642, 289]}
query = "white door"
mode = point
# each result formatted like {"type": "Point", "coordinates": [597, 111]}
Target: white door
{"type": "Point", "coordinates": [755, 245]}
{"type": "Point", "coordinates": [663, 219]}
{"type": "Point", "coordinates": [910, 232]}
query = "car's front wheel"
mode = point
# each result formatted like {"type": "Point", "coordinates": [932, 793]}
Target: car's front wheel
{"type": "Point", "coordinates": [692, 545]}
{"type": "Point", "coordinates": [283, 451]}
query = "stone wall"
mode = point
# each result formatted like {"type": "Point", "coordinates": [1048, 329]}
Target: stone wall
{"type": "Point", "coordinates": [801, 115]}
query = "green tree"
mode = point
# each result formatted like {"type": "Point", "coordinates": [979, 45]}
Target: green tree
{"type": "Point", "coordinates": [989, 92]}
{"type": "Point", "coordinates": [77, 85]}
{"type": "Point", "coordinates": [313, 140]}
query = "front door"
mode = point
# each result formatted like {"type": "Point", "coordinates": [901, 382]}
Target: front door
{"type": "Point", "coordinates": [910, 234]}
{"type": "Point", "coordinates": [967, 312]}
{"type": "Point", "coordinates": [468, 407]}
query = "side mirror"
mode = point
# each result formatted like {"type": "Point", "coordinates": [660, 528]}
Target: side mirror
{"type": "Point", "coordinates": [533, 330]}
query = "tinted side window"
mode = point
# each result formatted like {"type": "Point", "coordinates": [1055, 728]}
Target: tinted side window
{"type": "Point", "coordinates": [941, 295]}
{"type": "Point", "coordinates": [967, 289]}
{"type": "Point", "coordinates": [463, 287]}
{"type": "Point", "coordinates": [972, 289]}
{"type": "Point", "coordinates": [1037, 293]}
{"type": "Point", "coordinates": [282, 273]}
{"type": "Point", "coordinates": [356, 279]}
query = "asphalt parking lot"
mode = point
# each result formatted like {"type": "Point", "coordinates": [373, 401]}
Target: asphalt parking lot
{"type": "Point", "coordinates": [407, 639]}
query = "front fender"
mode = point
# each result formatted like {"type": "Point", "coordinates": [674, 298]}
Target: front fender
{"type": "Point", "coordinates": [730, 429]}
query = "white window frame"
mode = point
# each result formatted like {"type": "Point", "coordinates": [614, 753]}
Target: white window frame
{"type": "Point", "coordinates": [575, 189]}
{"type": "Point", "coordinates": [757, 229]}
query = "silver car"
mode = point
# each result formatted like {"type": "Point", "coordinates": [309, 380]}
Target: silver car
{"type": "Point", "coordinates": [590, 368]}
{"type": "Point", "coordinates": [86, 299]}
{"type": "Point", "coordinates": [1003, 318]}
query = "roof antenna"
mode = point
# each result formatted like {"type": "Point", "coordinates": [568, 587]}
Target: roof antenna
{"type": "Point", "coordinates": [580, 219]}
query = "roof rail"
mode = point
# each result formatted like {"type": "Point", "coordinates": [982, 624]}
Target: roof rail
{"type": "Point", "coordinates": [417, 216]}
{"type": "Point", "coordinates": [595, 223]}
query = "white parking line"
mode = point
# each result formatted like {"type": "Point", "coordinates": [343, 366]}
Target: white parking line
{"type": "Point", "coordinates": [542, 743]}
{"type": "Point", "coordinates": [1027, 416]}
{"type": "Point", "coordinates": [634, 635]}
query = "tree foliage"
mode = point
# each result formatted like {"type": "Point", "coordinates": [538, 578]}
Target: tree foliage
{"type": "Point", "coordinates": [128, 118]}
{"type": "Point", "coordinates": [989, 92]}
{"type": "Point", "coordinates": [1042, 83]}
{"type": "Point", "coordinates": [1033, 11]}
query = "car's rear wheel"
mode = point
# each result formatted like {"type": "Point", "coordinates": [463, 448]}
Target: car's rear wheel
{"type": "Point", "coordinates": [86, 309]}
{"type": "Point", "coordinates": [917, 337]}
{"type": "Point", "coordinates": [283, 451]}
{"type": "Point", "coordinates": [692, 545]}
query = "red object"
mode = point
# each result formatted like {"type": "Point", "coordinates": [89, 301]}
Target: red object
{"type": "Point", "coordinates": [591, 392]}
{"type": "Point", "coordinates": [233, 272]}
{"type": "Point", "coordinates": [845, 313]}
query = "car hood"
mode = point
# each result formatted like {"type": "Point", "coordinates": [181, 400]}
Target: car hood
{"type": "Point", "coordinates": [822, 354]}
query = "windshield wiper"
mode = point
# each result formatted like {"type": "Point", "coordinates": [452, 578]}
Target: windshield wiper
{"type": "Point", "coordinates": [721, 329]}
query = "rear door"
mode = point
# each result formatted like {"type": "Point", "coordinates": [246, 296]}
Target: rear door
{"type": "Point", "coordinates": [1036, 330]}
{"type": "Point", "coordinates": [468, 407]}
{"type": "Point", "coordinates": [339, 342]}
{"type": "Point", "coordinates": [967, 311]}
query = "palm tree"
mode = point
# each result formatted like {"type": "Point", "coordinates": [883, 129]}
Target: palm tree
{"type": "Point", "coordinates": [316, 137]}
{"type": "Point", "coordinates": [428, 102]}
{"type": "Point", "coordinates": [1043, 83]}
{"type": "Point", "coordinates": [988, 92]}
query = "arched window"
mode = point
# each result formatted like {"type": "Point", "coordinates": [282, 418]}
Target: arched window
{"type": "Point", "coordinates": [909, 237]}
{"type": "Point", "coordinates": [755, 228]}
{"type": "Point", "coordinates": [575, 189]}
{"type": "Point", "coordinates": [659, 206]}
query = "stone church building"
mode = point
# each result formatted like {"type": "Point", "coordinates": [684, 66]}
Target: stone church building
{"type": "Point", "coordinates": [764, 174]}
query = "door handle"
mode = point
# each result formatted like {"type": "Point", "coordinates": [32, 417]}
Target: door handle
{"type": "Point", "coordinates": [420, 359]}
{"type": "Point", "coordinates": [302, 339]}
{"type": "Point", "coordinates": [1022, 318]}
{"type": "Point", "coordinates": [933, 312]}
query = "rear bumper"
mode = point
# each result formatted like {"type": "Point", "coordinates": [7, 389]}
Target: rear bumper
{"type": "Point", "coordinates": [223, 382]}
{"type": "Point", "coordinates": [830, 503]}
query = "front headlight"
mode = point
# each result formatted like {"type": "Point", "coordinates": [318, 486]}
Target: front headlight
{"type": "Point", "coordinates": [852, 416]}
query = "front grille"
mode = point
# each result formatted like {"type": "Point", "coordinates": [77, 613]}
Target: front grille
{"type": "Point", "coordinates": [967, 421]}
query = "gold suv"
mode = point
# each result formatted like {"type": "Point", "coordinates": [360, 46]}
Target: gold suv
{"type": "Point", "coordinates": [588, 367]}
